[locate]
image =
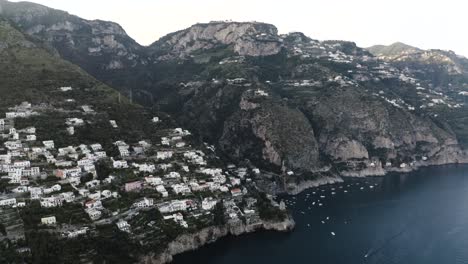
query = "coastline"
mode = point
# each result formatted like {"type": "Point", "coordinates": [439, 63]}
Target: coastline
{"type": "Point", "coordinates": [447, 158]}
{"type": "Point", "coordinates": [194, 241]}
{"type": "Point", "coordinates": [189, 242]}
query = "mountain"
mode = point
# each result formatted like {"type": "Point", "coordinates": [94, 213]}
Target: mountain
{"type": "Point", "coordinates": [251, 39]}
{"type": "Point", "coordinates": [32, 72]}
{"type": "Point", "coordinates": [438, 67]}
{"type": "Point", "coordinates": [441, 72]}
{"type": "Point", "coordinates": [302, 108]}
{"type": "Point", "coordinates": [395, 49]}
{"type": "Point", "coordinates": [99, 47]}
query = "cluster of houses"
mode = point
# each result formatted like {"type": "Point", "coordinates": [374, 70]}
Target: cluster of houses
{"type": "Point", "coordinates": [174, 173]}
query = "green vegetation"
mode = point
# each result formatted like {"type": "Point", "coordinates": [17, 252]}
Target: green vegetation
{"type": "Point", "coordinates": [68, 213]}
{"type": "Point", "coordinates": [219, 217]}
{"type": "Point", "coordinates": [8, 254]}
{"type": "Point", "coordinates": [267, 211]}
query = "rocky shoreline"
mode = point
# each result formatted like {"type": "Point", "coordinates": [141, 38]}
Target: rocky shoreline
{"type": "Point", "coordinates": [444, 158]}
{"type": "Point", "coordinates": [189, 242]}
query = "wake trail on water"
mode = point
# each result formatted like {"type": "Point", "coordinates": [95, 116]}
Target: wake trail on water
{"type": "Point", "coordinates": [374, 250]}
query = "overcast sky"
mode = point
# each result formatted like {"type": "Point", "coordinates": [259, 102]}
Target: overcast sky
{"type": "Point", "coordinates": [422, 23]}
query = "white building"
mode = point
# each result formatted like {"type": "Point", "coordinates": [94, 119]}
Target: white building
{"type": "Point", "coordinates": [145, 167]}
{"type": "Point", "coordinates": [31, 172]}
{"type": "Point", "coordinates": [164, 155]}
{"type": "Point", "coordinates": [162, 190]}
{"type": "Point", "coordinates": [145, 202]}
{"type": "Point", "coordinates": [181, 189]}
{"type": "Point", "coordinates": [68, 197]}
{"type": "Point", "coordinates": [93, 214]}
{"type": "Point", "coordinates": [120, 164]}
{"type": "Point", "coordinates": [48, 144]}
{"type": "Point", "coordinates": [36, 192]}
{"type": "Point", "coordinates": [65, 89]}
{"type": "Point", "coordinates": [78, 232]}
{"type": "Point", "coordinates": [51, 220]}
{"type": "Point", "coordinates": [123, 225]}
{"type": "Point", "coordinates": [172, 206]}
{"type": "Point", "coordinates": [8, 202]}
{"type": "Point", "coordinates": [208, 203]}
{"type": "Point", "coordinates": [113, 123]}
{"type": "Point", "coordinates": [172, 175]}
{"type": "Point", "coordinates": [55, 188]}
{"type": "Point", "coordinates": [85, 162]}
{"type": "Point", "coordinates": [124, 151]}
{"type": "Point", "coordinates": [96, 147]}
{"type": "Point", "coordinates": [50, 202]}
{"type": "Point", "coordinates": [153, 180]}
{"type": "Point", "coordinates": [31, 138]}
{"type": "Point", "coordinates": [74, 121]}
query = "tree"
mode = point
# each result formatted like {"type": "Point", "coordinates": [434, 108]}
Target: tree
{"type": "Point", "coordinates": [3, 229]}
{"type": "Point", "coordinates": [3, 185]}
{"type": "Point", "coordinates": [218, 213]}
{"type": "Point", "coordinates": [86, 178]}
{"type": "Point", "coordinates": [103, 170]}
{"type": "Point", "coordinates": [8, 253]}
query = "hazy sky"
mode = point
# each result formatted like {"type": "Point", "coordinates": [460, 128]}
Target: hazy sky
{"type": "Point", "coordinates": [422, 23]}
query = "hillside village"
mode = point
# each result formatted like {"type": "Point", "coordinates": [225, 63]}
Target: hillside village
{"type": "Point", "coordinates": [71, 191]}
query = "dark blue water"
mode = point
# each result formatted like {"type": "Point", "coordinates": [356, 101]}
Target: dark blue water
{"type": "Point", "coordinates": [421, 217]}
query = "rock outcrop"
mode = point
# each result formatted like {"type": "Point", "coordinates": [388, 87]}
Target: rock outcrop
{"type": "Point", "coordinates": [188, 242]}
{"type": "Point", "coordinates": [249, 38]}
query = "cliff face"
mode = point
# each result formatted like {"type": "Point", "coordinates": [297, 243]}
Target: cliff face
{"type": "Point", "coordinates": [252, 39]}
{"type": "Point", "coordinates": [209, 235]}
{"type": "Point", "coordinates": [271, 132]}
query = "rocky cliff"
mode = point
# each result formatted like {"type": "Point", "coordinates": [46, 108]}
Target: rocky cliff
{"type": "Point", "coordinates": [188, 242]}
{"type": "Point", "coordinates": [251, 39]}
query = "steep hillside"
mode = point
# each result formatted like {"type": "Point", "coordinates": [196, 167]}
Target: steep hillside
{"type": "Point", "coordinates": [443, 74]}
{"type": "Point", "coordinates": [33, 74]}
{"type": "Point", "coordinates": [101, 48]}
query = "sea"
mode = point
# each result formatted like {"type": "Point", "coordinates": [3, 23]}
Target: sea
{"type": "Point", "coordinates": [416, 218]}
